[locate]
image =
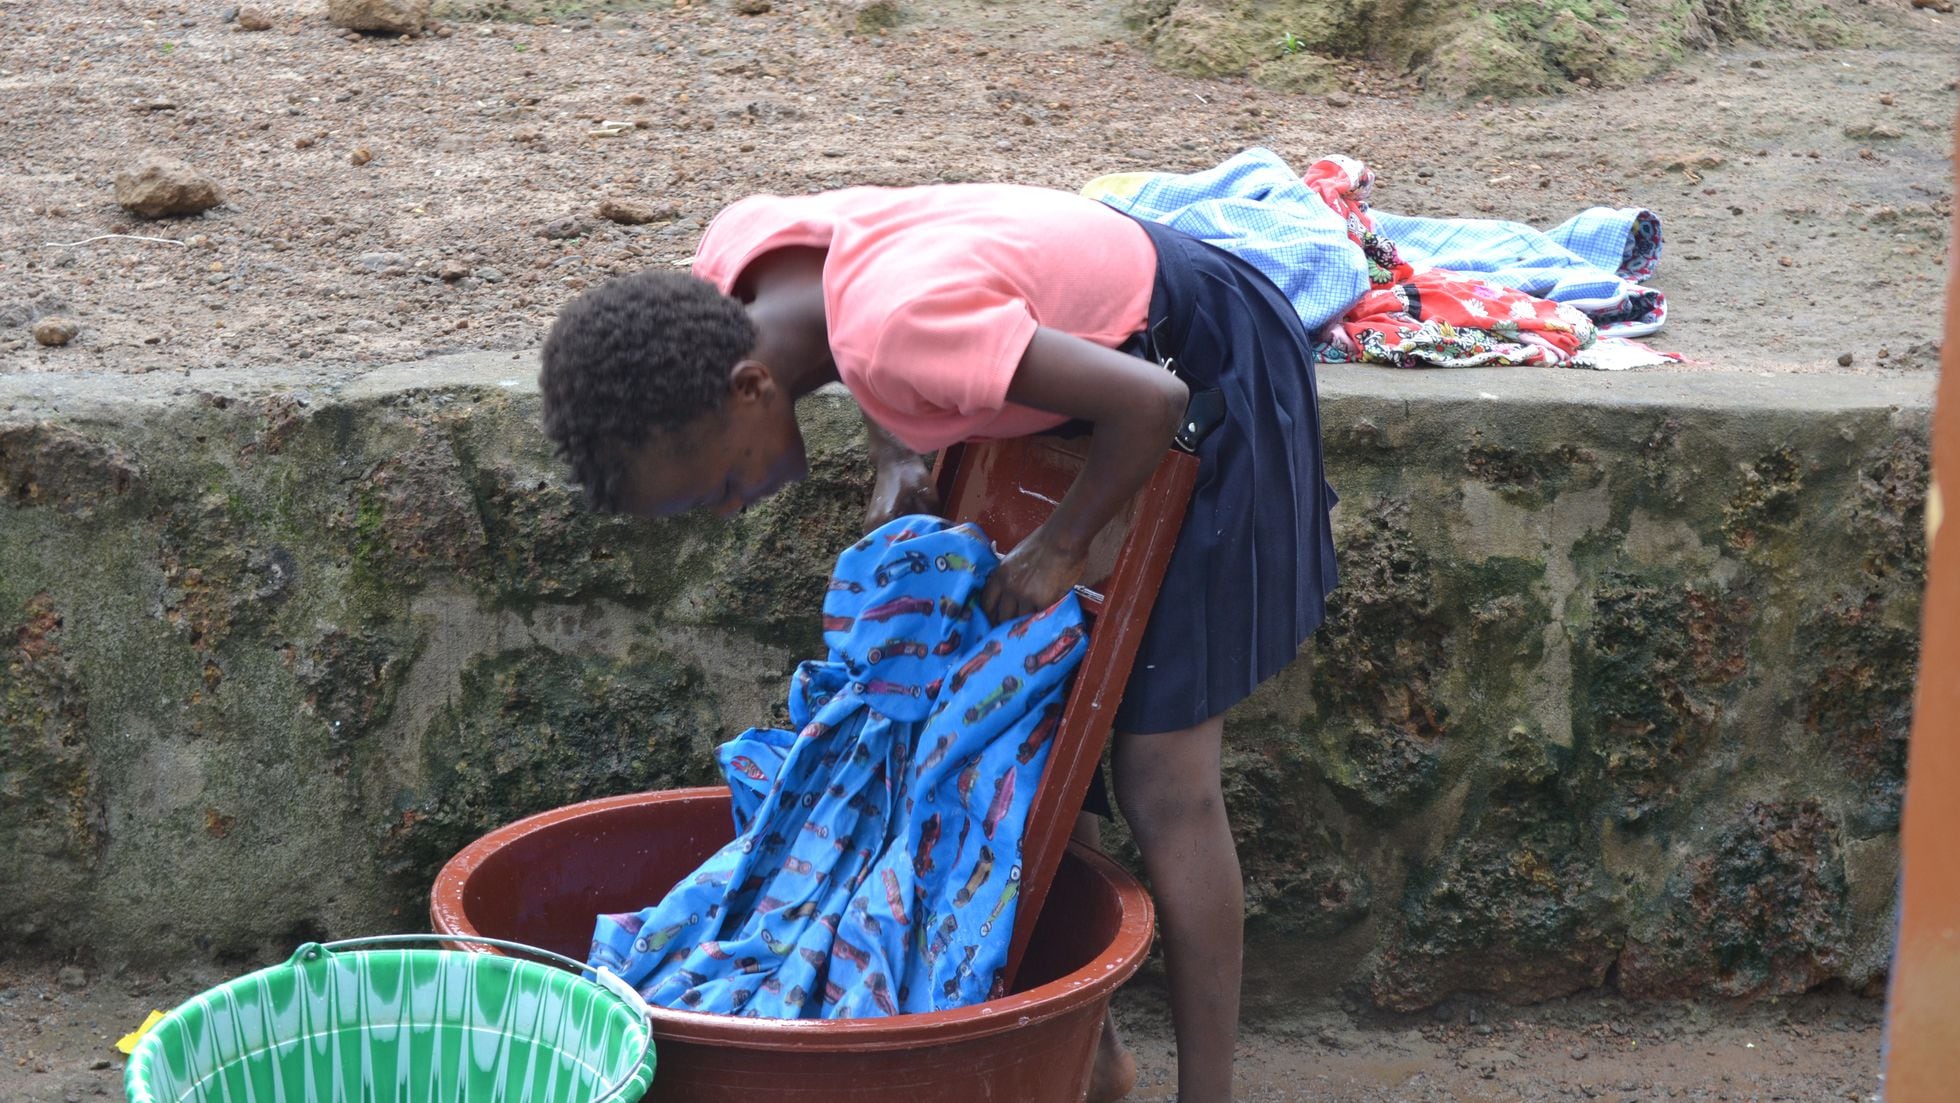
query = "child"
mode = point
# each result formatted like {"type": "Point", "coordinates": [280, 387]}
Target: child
{"type": "Point", "coordinates": [974, 311]}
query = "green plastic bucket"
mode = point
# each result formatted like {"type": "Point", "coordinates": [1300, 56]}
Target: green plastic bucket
{"type": "Point", "coordinates": [399, 1025]}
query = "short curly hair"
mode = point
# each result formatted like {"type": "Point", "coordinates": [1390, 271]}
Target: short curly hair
{"type": "Point", "coordinates": [633, 358]}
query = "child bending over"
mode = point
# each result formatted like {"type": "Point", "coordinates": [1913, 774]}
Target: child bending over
{"type": "Point", "coordinates": [972, 311]}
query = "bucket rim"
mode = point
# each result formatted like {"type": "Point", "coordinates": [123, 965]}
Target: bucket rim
{"type": "Point", "coordinates": [1059, 997]}
{"type": "Point", "coordinates": [147, 1051]}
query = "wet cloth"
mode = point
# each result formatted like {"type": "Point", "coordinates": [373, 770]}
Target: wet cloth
{"type": "Point", "coordinates": [1431, 317]}
{"type": "Point", "coordinates": [1256, 208]}
{"type": "Point", "coordinates": [1411, 311]}
{"type": "Point", "coordinates": [1593, 261]}
{"type": "Point", "coordinates": [931, 294]}
{"type": "Point", "coordinates": [876, 862]}
{"type": "Point", "coordinates": [1250, 573]}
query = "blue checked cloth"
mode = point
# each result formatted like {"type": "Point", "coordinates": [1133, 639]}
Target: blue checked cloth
{"type": "Point", "coordinates": [877, 854]}
{"type": "Point", "coordinates": [1256, 208]}
{"type": "Point", "coordinates": [1592, 261]}
{"type": "Point", "coordinates": [1254, 205]}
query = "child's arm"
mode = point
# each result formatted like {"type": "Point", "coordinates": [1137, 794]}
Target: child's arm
{"type": "Point", "coordinates": [903, 484]}
{"type": "Point", "coordinates": [1134, 406]}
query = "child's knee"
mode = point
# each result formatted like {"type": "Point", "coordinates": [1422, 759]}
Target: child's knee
{"type": "Point", "coordinates": [1158, 800]}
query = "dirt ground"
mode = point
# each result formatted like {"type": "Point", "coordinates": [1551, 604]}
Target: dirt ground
{"type": "Point", "coordinates": [56, 1044]}
{"type": "Point", "coordinates": [1789, 242]}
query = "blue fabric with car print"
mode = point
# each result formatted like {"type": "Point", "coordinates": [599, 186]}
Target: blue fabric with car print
{"type": "Point", "coordinates": [876, 864]}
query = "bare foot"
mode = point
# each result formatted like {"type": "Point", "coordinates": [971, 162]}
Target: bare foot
{"type": "Point", "coordinates": [1115, 1071]}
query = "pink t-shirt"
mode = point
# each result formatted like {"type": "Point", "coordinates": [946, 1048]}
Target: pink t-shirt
{"type": "Point", "coordinates": [933, 293]}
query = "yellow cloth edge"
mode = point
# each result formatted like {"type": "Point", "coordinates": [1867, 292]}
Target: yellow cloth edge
{"type": "Point", "coordinates": [127, 1043]}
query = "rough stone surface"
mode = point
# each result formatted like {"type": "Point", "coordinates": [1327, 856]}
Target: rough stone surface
{"type": "Point", "coordinates": [867, 16]}
{"type": "Point", "coordinates": [1500, 47]}
{"type": "Point", "coordinates": [628, 212]}
{"type": "Point", "coordinates": [55, 332]}
{"type": "Point", "coordinates": [253, 19]}
{"type": "Point", "coordinates": [389, 16]}
{"type": "Point", "coordinates": [1614, 691]}
{"type": "Point", "coordinates": [164, 187]}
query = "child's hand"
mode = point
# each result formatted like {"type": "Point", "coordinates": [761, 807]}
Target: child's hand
{"type": "Point", "coordinates": [1032, 577]}
{"type": "Point", "coordinates": [902, 487]}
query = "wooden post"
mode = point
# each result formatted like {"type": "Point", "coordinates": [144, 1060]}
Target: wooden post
{"type": "Point", "coordinates": [1923, 1019]}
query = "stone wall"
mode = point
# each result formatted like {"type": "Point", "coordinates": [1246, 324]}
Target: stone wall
{"type": "Point", "coordinates": [1614, 691]}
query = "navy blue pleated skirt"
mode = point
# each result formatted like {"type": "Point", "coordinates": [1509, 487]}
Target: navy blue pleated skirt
{"type": "Point", "coordinates": [1249, 578]}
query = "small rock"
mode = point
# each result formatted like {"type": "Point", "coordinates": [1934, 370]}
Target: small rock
{"type": "Point", "coordinates": [72, 976]}
{"type": "Point", "coordinates": [1941, 6]}
{"type": "Point", "coordinates": [1887, 99]}
{"type": "Point", "coordinates": [444, 31]}
{"type": "Point", "coordinates": [1338, 100]}
{"type": "Point", "coordinates": [751, 7]}
{"type": "Point", "coordinates": [1579, 1053]}
{"type": "Point", "coordinates": [1873, 131]}
{"type": "Point", "coordinates": [1845, 359]}
{"type": "Point", "coordinates": [252, 19]}
{"type": "Point", "coordinates": [629, 213]}
{"type": "Point", "coordinates": [452, 270]}
{"type": "Point", "coordinates": [1698, 159]}
{"type": "Point", "coordinates": [558, 229]}
{"type": "Point", "coordinates": [868, 16]}
{"type": "Point", "coordinates": [490, 275]}
{"type": "Point", "coordinates": [302, 142]}
{"type": "Point", "coordinates": [1786, 262]}
{"type": "Point", "coordinates": [228, 14]}
{"type": "Point", "coordinates": [1884, 353]}
{"type": "Point", "coordinates": [15, 314]}
{"type": "Point", "coordinates": [361, 156]}
{"type": "Point", "coordinates": [633, 99]}
{"type": "Point", "coordinates": [162, 187]}
{"type": "Point", "coordinates": [99, 1064]}
{"type": "Point", "coordinates": [388, 16]}
{"type": "Point", "coordinates": [382, 262]}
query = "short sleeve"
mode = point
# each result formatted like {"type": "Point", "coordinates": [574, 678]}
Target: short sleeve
{"type": "Point", "coordinates": [937, 367]}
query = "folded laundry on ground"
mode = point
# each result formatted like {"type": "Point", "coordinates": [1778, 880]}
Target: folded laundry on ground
{"type": "Point", "coordinates": [1593, 261]}
{"type": "Point", "coordinates": [1455, 293]}
{"type": "Point", "coordinates": [876, 863]}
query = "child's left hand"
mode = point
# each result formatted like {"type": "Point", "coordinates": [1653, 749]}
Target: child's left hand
{"type": "Point", "coordinates": [1032, 577]}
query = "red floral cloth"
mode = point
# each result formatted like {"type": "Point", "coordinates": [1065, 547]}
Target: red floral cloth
{"type": "Point", "coordinates": [1430, 317]}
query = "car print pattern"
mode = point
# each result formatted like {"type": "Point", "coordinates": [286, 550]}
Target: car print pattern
{"type": "Point", "coordinates": [876, 864]}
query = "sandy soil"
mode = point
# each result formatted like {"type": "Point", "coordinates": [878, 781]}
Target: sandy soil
{"type": "Point", "coordinates": [56, 1043]}
{"type": "Point", "coordinates": [1798, 245]}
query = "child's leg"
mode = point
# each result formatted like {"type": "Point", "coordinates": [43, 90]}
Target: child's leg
{"type": "Point", "coordinates": [1115, 1071]}
{"type": "Point", "coordinates": [1170, 791]}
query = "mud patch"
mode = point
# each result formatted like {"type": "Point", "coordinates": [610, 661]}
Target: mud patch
{"type": "Point", "coordinates": [1761, 913]}
{"type": "Point", "coordinates": [537, 729]}
{"type": "Point", "coordinates": [53, 835]}
{"type": "Point", "coordinates": [1657, 668]}
{"type": "Point", "coordinates": [1859, 702]}
{"type": "Point", "coordinates": [49, 465]}
{"type": "Point", "coordinates": [1504, 48]}
{"type": "Point", "coordinates": [1381, 720]}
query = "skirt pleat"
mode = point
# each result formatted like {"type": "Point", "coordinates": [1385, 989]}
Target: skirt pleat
{"type": "Point", "coordinates": [1248, 581]}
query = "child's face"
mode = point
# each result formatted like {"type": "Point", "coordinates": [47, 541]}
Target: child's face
{"type": "Point", "coordinates": [725, 460]}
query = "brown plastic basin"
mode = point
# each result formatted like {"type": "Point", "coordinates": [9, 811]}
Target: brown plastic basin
{"type": "Point", "coordinates": [543, 880]}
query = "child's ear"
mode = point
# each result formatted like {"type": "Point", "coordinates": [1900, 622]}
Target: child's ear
{"type": "Point", "coordinates": [749, 380]}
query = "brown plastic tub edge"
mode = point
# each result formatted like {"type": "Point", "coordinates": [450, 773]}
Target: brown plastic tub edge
{"type": "Point", "coordinates": [543, 879]}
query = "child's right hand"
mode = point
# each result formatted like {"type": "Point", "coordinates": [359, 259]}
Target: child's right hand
{"type": "Point", "coordinates": [902, 487]}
